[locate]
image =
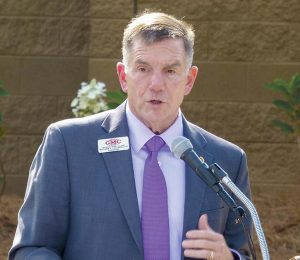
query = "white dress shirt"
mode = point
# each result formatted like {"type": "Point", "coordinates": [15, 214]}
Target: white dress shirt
{"type": "Point", "coordinates": [172, 168]}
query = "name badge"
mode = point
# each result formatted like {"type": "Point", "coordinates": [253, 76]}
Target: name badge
{"type": "Point", "coordinates": [113, 144]}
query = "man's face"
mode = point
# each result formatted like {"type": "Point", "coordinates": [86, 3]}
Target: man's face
{"type": "Point", "coordinates": [156, 80]}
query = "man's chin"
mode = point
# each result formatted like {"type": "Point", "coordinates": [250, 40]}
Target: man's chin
{"type": "Point", "coordinates": [158, 123]}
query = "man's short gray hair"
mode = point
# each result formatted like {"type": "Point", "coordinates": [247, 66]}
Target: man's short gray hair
{"type": "Point", "coordinates": [154, 27]}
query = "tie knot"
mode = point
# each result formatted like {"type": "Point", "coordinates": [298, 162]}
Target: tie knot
{"type": "Point", "coordinates": [155, 143]}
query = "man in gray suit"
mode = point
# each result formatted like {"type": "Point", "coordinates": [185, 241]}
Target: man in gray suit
{"type": "Point", "coordinates": [88, 189]}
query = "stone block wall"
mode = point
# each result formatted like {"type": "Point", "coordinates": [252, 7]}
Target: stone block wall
{"type": "Point", "coordinates": [44, 53]}
{"type": "Point", "coordinates": [47, 48]}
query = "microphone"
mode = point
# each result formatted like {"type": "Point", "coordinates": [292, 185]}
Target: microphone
{"type": "Point", "coordinates": [213, 176]}
{"type": "Point", "coordinates": [182, 148]}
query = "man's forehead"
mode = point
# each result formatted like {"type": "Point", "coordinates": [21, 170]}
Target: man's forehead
{"type": "Point", "coordinates": [170, 49]}
{"type": "Point", "coordinates": [139, 41]}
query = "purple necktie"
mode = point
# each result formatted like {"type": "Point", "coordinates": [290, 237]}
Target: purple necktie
{"type": "Point", "coordinates": [155, 219]}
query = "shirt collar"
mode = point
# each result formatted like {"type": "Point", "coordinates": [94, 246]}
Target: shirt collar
{"type": "Point", "coordinates": [139, 133]}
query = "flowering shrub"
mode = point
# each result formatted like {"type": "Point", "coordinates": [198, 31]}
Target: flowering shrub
{"type": "Point", "coordinates": [93, 97]}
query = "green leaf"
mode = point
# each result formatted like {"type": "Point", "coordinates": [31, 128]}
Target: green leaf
{"type": "Point", "coordinates": [112, 105]}
{"type": "Point", "coordinates": [296, 97]}
{"type": "Point", "coordinates": [295, 81]}
{"type": "Point", "coordinates": [278, 85]}
{"type": "Point", "coordinates": [116, 96]}
{"type": "Point", "coordinates": [284, 105]}
{"type": "Point", "coordinates": [3, 92]}
{"type": "Point", "coordinates": [285, 127]}
{"type": "Point", "coordinates": [294, 86]}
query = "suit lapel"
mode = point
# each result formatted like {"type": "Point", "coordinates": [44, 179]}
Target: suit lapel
{"type": "Point", "coordinates": [195, 188]}
{"type": "Point", "coordinates": [120, 168]}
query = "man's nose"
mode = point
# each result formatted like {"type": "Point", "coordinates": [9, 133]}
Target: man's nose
{"type": "Point", "coordinates": [157, 81]}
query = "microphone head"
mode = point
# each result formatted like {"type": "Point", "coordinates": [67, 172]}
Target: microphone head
{"type": "Point", "coordinates": [180, 145]}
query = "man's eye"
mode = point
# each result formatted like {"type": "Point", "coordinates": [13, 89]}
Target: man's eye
{"type": "Point", "coordinates": [171, 71]}
{"type": "Point", "coordinates": [142, 69]}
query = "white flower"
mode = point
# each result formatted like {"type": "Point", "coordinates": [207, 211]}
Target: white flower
{"type": "Point", "coordinates": [83, 103]}
{"type": "Point", "coordinates": [75, 102]}
{"type": "Point", "coordinates": [101, 88]}
{"type": "Point", "coordinates": [90, 99]}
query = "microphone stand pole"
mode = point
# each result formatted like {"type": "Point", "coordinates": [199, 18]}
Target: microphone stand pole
{"type": "Point", "coordinates": [219, 173]}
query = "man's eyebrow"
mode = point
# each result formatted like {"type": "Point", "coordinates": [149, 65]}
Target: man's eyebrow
{"type": "Point", "coordinates": [171, 65]}
{"type": "Point", "coordinates": [140, 61]}
{"type": "Point", "coordinates": [174, 64]}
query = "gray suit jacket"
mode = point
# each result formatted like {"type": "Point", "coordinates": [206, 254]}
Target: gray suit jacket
{"type": "Point", "coordinates": [80, 204]}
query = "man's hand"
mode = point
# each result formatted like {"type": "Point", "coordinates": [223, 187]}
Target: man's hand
{"type": "Point", "coordinates": [205, 243]}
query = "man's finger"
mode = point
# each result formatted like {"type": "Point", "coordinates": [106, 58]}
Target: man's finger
{"type": "Point", "coordinates": [204, 234]}
{"type": "Point", "coordinates": [203, 254]}
{"type": "Point", "coordinates": [203, 223]}
{"type": "Point", "coordinates": [198, 244]}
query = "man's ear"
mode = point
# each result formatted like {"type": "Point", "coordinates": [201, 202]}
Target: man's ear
{"type": "Point", "coordinates": [191, 77]}
{"type": "Point", "coordinates": [122, 76]}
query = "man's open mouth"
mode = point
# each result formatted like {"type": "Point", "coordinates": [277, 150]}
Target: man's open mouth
{"type": "Point", "coordinates": [155, 102]}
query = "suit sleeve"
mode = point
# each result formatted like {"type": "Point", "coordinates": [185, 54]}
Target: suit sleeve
{"type": "Point", "coordinates": [234, 233]}
{"type": "Point", "coordinates": [43, 218]}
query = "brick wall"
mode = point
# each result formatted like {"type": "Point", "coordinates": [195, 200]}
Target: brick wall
{"type": "Point", "coordinates": [48, 47]}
